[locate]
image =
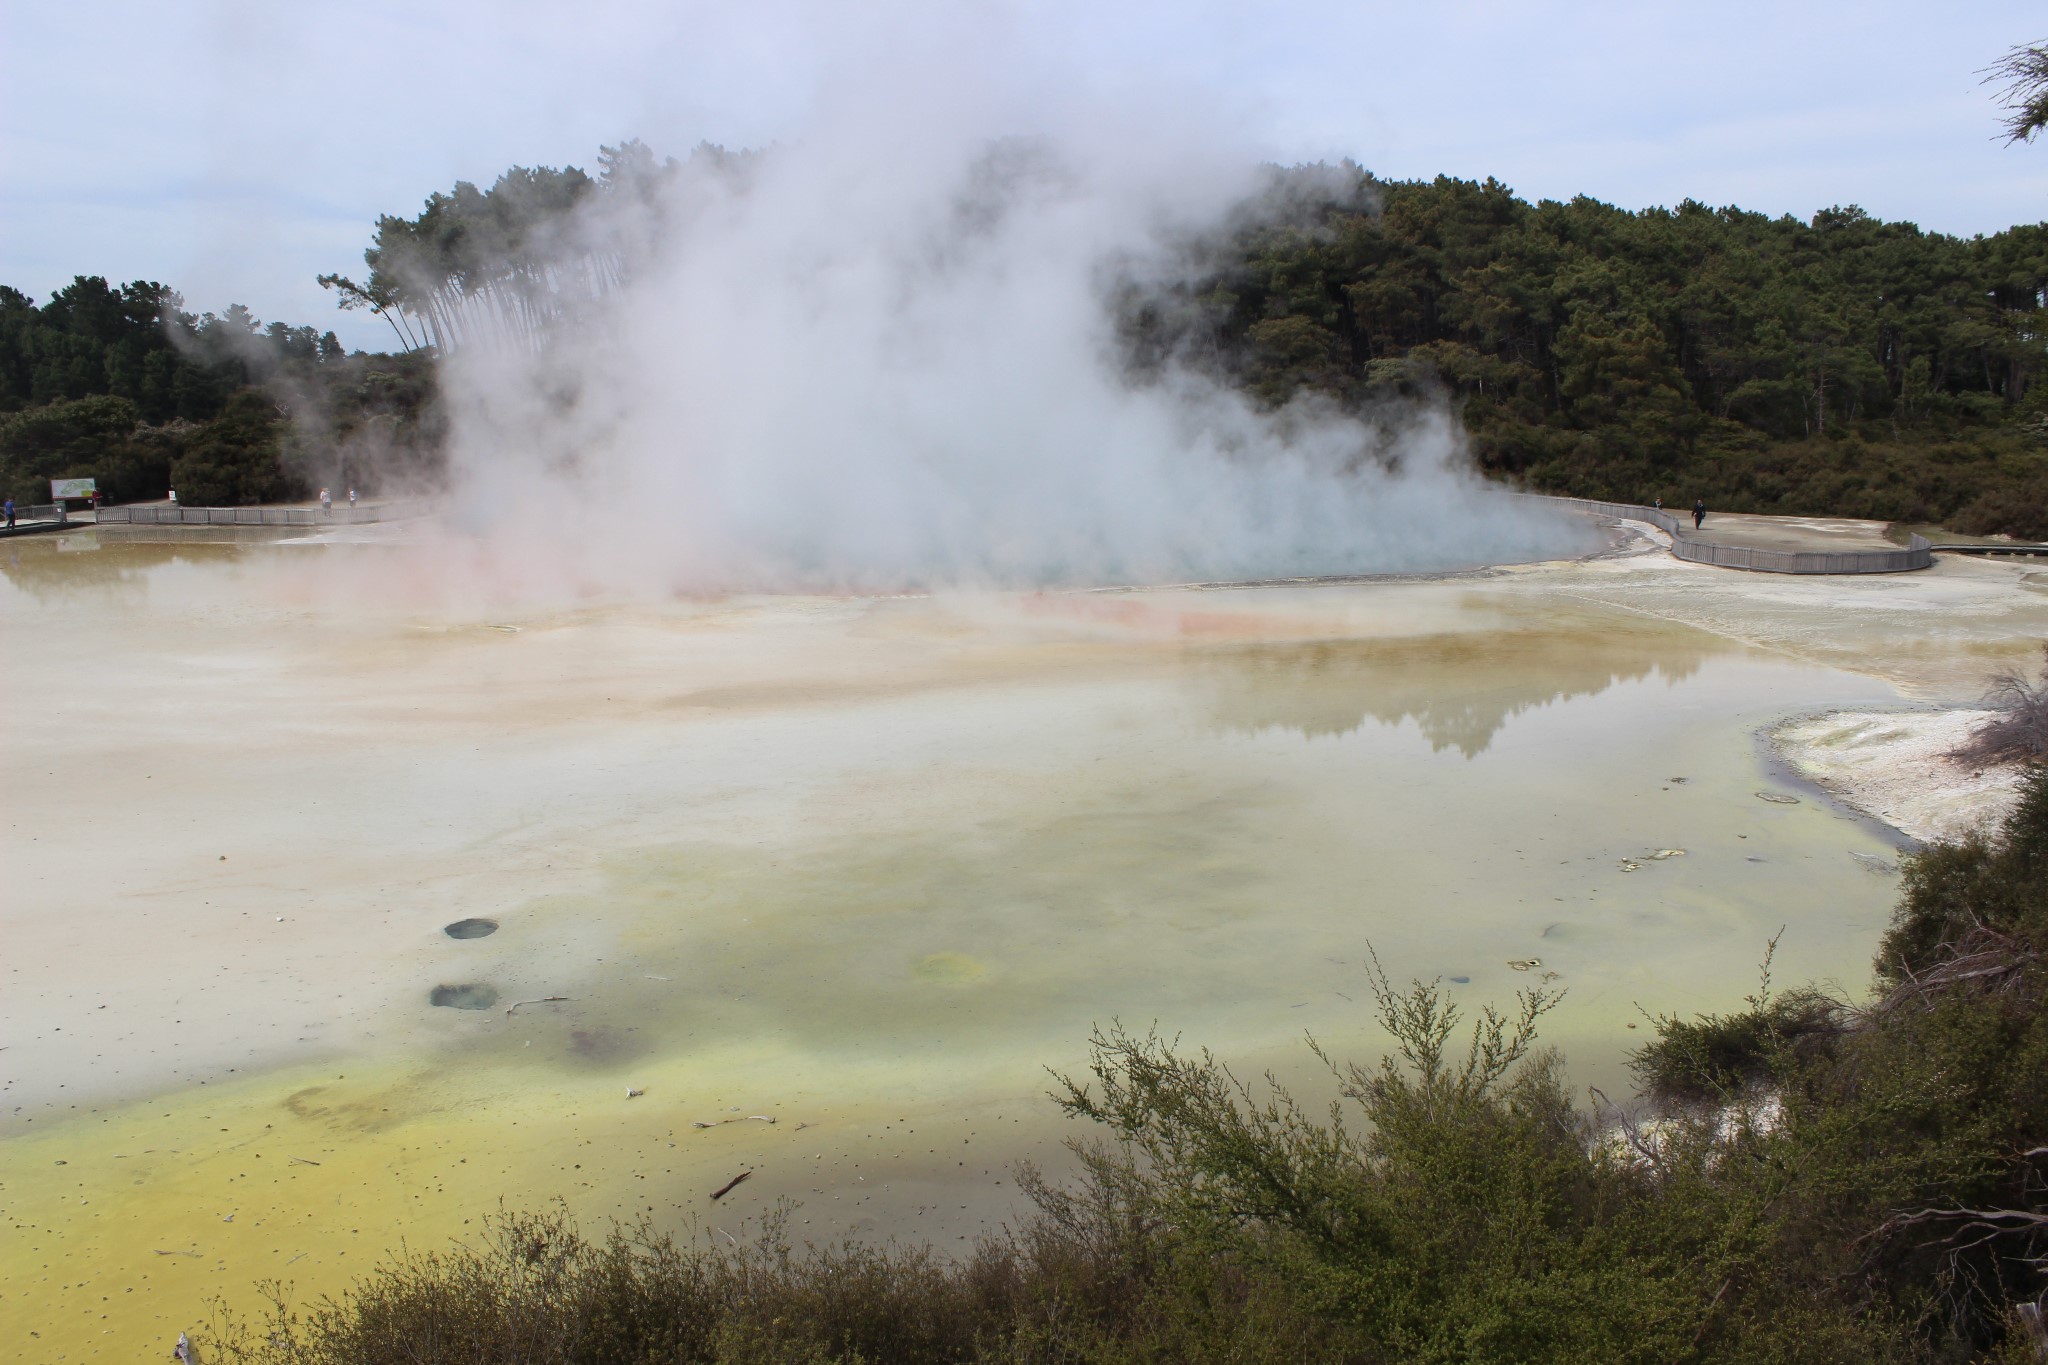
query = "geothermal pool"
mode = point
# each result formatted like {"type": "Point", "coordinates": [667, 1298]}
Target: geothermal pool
{"type": "Point", "coordinates": [864, 866]}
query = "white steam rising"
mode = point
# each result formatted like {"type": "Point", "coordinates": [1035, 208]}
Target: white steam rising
{"type": "Point", "coordinates": [883, 357]}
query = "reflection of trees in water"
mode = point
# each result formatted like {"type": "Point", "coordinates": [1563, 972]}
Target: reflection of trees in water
{"type": "Point", "coordinates": [1459, 688]}
{"type": "Point", "coordinates": [55, 567]}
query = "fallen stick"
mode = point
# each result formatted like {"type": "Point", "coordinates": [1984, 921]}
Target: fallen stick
{"type": "Point", "coordinates": [544, 1000]}
{"type": "Point", "coordinates": [176, 1253]}
{"type": "Point", "coordinates": [723, 1190]}
{"type": "Point", "coordinates": [716, 1123]}
{"type": "Point", "coordinates": [302, 1161]}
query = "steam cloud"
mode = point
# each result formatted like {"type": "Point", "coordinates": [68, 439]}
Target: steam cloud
{"type": "Point", "coordinates": [882, 356]}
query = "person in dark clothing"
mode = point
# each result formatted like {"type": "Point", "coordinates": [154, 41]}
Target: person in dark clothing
{"type": "Point", "coordinates": [10, 514]}
{"type": "Point", "coordinates": [1699, 513]}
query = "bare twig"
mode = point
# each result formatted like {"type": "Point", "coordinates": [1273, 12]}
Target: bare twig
{"type": "Point", "coordinates": [1982, 958]}
{"type": "Point", "coordinates": [2036, 1328]}
{"type": "Point", "coordinates": [1996, 1222]}
{"type": "Point", "coordinates": [2018, 733]}
{"type": "Point", "coordinates": [1707, 1318]}
{"type": "Point", "coordinates": [751, 1118]}
{"type": "Point", "coordinates": [1631, 1131]}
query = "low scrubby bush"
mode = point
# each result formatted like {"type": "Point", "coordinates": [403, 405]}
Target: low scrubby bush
{"type": "Point", "coordinates": [2018, 732]}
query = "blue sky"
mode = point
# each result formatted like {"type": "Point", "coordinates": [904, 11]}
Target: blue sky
{"type": "Point", "coordinates": [235, 149]}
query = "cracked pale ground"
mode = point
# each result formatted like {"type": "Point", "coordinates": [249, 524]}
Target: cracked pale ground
{"type": "Point", "coordinates": [863, 866]}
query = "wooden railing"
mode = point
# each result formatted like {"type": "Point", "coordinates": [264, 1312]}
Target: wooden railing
{"type": "Point", "coordinates": [1917, 554]}
{"type": "Point", "coordinates": [262, 516]}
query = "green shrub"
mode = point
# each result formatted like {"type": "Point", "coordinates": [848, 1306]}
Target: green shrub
{"type": "Point", "coordinates": [233, 460]}
{"type": "Point", "coordinates": [1957, 892]}
{"type": "Point", "coordinates": [56, 439]}
{"type": "Point", "coordinates": [1717, 1058]}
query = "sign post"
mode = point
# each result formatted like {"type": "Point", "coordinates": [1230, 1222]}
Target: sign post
{"type": "Point", "coordinates": [61, 489]}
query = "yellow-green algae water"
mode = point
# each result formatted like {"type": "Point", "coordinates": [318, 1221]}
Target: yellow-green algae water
{"type": "Point", "coordinates": [862, 866]}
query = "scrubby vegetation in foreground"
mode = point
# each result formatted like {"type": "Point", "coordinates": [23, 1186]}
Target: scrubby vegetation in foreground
{"type": "Point", "coordinates": [1812, 1181]}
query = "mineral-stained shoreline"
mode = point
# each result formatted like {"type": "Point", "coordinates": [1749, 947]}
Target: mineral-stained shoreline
{"type": "Point", "coordinates": [1895, 766]}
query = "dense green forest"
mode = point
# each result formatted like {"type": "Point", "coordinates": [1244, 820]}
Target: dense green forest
{"type": "Point", "coordinates": [1837, 366]}
{"type": "Point", "coordinates": [1840, 366]}
{"type": "Point", "coordinates": [122, 385]}
{"type": "Point", "coordinates": [1810, 1179]}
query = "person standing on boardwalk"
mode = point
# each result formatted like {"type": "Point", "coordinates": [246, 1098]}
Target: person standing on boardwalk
{"type": "Point", "coordinates": [326, 503]}
{"type": "Point", "coordinates": [351, 502]}
{"type": "Point", "coordinates": [10, 514]}
{"type": "Point", "coordinates": [1699, 512]}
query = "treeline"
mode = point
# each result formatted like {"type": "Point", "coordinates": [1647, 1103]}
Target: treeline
{"type": "Point", "coordinates": [1807, 1180]}
{"type": "Point", "coordinates": [122, 385]}
{"type": "Point", "coordinates": [1842, 365]}
{"type": "Point", "coordinates": [502, 265]}
{"type": "Point", "coordinates": [1839, 366]}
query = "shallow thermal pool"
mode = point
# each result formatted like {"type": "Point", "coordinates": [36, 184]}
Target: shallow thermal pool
{"type": "Point", "coordinates": [862, 866]}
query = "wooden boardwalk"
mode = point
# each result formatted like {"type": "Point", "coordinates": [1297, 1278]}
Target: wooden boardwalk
{"type": "Point", "coordinates": [29, 521]}
{"type": "Point", "coordinates": [1703, 547]}
{"type": "Point", "coordinates": [170, 514]}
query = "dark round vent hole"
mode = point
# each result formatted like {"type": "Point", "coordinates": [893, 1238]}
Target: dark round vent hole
{"type": "Point", "coordinates": [464, 997]}
{"type": "Point", "coordinates": [472, 928]}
